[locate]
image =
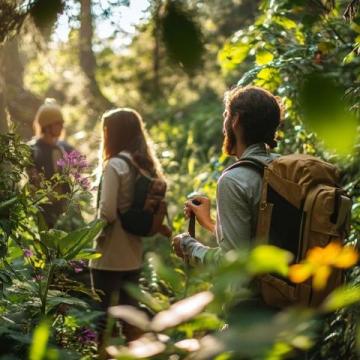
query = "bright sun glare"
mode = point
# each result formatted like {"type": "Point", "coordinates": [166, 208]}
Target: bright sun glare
{"type": "Point", "coordinates": [125, 18]}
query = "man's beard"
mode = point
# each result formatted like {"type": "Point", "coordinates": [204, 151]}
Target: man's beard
{"type": "Point", "coordinates": [229, 143]}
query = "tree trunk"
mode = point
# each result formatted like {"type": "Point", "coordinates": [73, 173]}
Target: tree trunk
{"type": "Point", "coordinates": [88, 60]}
{"type": "Point", "coordinates": [21, 104]}
{"type": "Point", "coordinates": [3, 116]}
{"type": "Point", "coordinates": [156, 51]}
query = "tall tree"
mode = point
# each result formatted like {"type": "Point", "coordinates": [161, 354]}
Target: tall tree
{"type": "Point", "coordinates": [20, 102]}
{"type": "Point", "coordinates": [3, 115]}
{"type": "Point", "coordinates": [88, 60]}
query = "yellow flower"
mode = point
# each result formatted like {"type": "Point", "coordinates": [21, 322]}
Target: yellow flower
{"type": "Point", "coordinates": [319, 262]}
{"type": "Point", "coordinates": [321, 276]}
{"type": "Point", "coordinates": [39, 263]}
{"type": "Point", "coordinates": [298, 273]}
{"type": "Point", "coordinates": [347, 258]}
{"type": "Point", "coordinates": [324, 256]}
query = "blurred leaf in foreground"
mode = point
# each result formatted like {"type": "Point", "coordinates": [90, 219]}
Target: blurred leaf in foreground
{"type": "Point", "coordinates": [131, 315]}
{"type": "Point", "coordinates": [181, 311]}
{"type": "Point", "coordinates": [342, 297]}
{"type": "Point", "coordinates": [40, 341]}
{"type": "Point", "coordinates": [326, 113]}
{"type": "Point", "coordinates": [267, 258]}
{"type": "Point", "coordinates": [45, 13]}
{"type": "Point", "coordinates": [142, 348]}
{"type": "Point", "coordinates": [182, 36]}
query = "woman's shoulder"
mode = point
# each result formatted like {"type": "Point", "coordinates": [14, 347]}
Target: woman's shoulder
{"type": "Point", "coordinates": [121, 163]}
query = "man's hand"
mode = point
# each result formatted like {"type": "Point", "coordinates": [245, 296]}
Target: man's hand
{"type": "Point", "coordinates": [176, 245]}
{"type": "Point", "coordinates": [201, 211]}
{"type": "Point", "coordinates": [189, 248]}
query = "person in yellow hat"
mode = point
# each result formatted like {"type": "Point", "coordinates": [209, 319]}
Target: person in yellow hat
{"type": "Point", "coordinates": [47, 149]}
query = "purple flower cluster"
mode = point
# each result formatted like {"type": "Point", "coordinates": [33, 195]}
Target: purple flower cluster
{"type": "Point", "coordinates": [77, 265]}
{"type": "Point", "coordinates": [39, 277]}
{"type": "Point", "coordinates": [27, 253]}
{"type": "Point", "coordinates": [73, 160]}
{"type": "Point", "coordinates": [86, 335]}
{"type": "Point", "coordinates": [74, 164]}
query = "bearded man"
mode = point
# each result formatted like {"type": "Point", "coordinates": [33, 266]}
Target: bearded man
{"type": "Point", "coordinates": [251, 118]}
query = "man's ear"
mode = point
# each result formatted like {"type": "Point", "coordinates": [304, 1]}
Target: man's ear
{"type": "Point", "coordinates": [235, 122]}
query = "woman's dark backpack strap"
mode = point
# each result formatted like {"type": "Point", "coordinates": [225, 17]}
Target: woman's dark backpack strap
{"type": "Point", "coordinates": [127, 160]}
{"type": "Point", "coordinates": [250, 162]}
{"type": "Point", "coordinates": [130, 164]}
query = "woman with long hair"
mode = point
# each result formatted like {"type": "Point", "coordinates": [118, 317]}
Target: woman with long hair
{"type": "Point", "coordinates": [124, 134]}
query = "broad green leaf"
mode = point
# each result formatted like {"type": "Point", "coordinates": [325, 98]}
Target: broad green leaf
{"type": "Point", "coordinates": [341, 297]}
{"type": "Point", "coordinates": [75, 241]}
{"type": "Point", "coordinates": [53, 239]}
{"type": "Point", "coordinates": [40, 341]}
{"type": "Point", "coordinates": [268, 258]}
{"type": "Point", "coordinates": [87, 254]}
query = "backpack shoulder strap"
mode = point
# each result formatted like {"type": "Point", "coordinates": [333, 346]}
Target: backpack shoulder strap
{"type": "Point", "coordinates": [126, 159]}
{"type": "Point", "coordinates": [133, 165]}
{"type": "Point", "coordinates": [250, 162]}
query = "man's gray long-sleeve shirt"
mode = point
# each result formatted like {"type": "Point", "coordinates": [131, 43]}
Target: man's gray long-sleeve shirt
{"type": "Point", "coordinates": [238, 197]}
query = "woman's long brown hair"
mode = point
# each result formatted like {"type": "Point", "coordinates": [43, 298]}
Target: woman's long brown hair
{"type": "Point", "coordinates": [124, 130]}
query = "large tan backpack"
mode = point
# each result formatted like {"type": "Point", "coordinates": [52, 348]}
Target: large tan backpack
{"type": "Point", "coordinates": [302, 206]}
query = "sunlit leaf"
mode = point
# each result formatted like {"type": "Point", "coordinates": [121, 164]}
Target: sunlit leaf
{"type": "Point", "coordinates": [263, 57]}
{"type": "Point", "coordinates": [269, 78]}
{"type": "Point", "coordinates": [181, 311]}
{"type": "Point", "coordinates": [231, 55]}
{"type": "Point", "coordinates": [131, 315]}
{"type": "Point", "coordinates": [268, 258]}
{"type": "Point", "coordinates": [87, 254]}
{"type": "Point", "coordinates": [285, 22]}
{"type": "Point", "coordinates": [342, 297]}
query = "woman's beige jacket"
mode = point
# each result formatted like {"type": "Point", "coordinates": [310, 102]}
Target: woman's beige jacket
{"type": "Point", "coordinates": [120, 250]}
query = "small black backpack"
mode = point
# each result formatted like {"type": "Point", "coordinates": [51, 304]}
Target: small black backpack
{"type": "Point", "coordinates": [148, 210]}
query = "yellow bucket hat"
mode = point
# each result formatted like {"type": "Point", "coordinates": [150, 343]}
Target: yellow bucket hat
{"type": "Point", "coordinates": [49, 113]}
